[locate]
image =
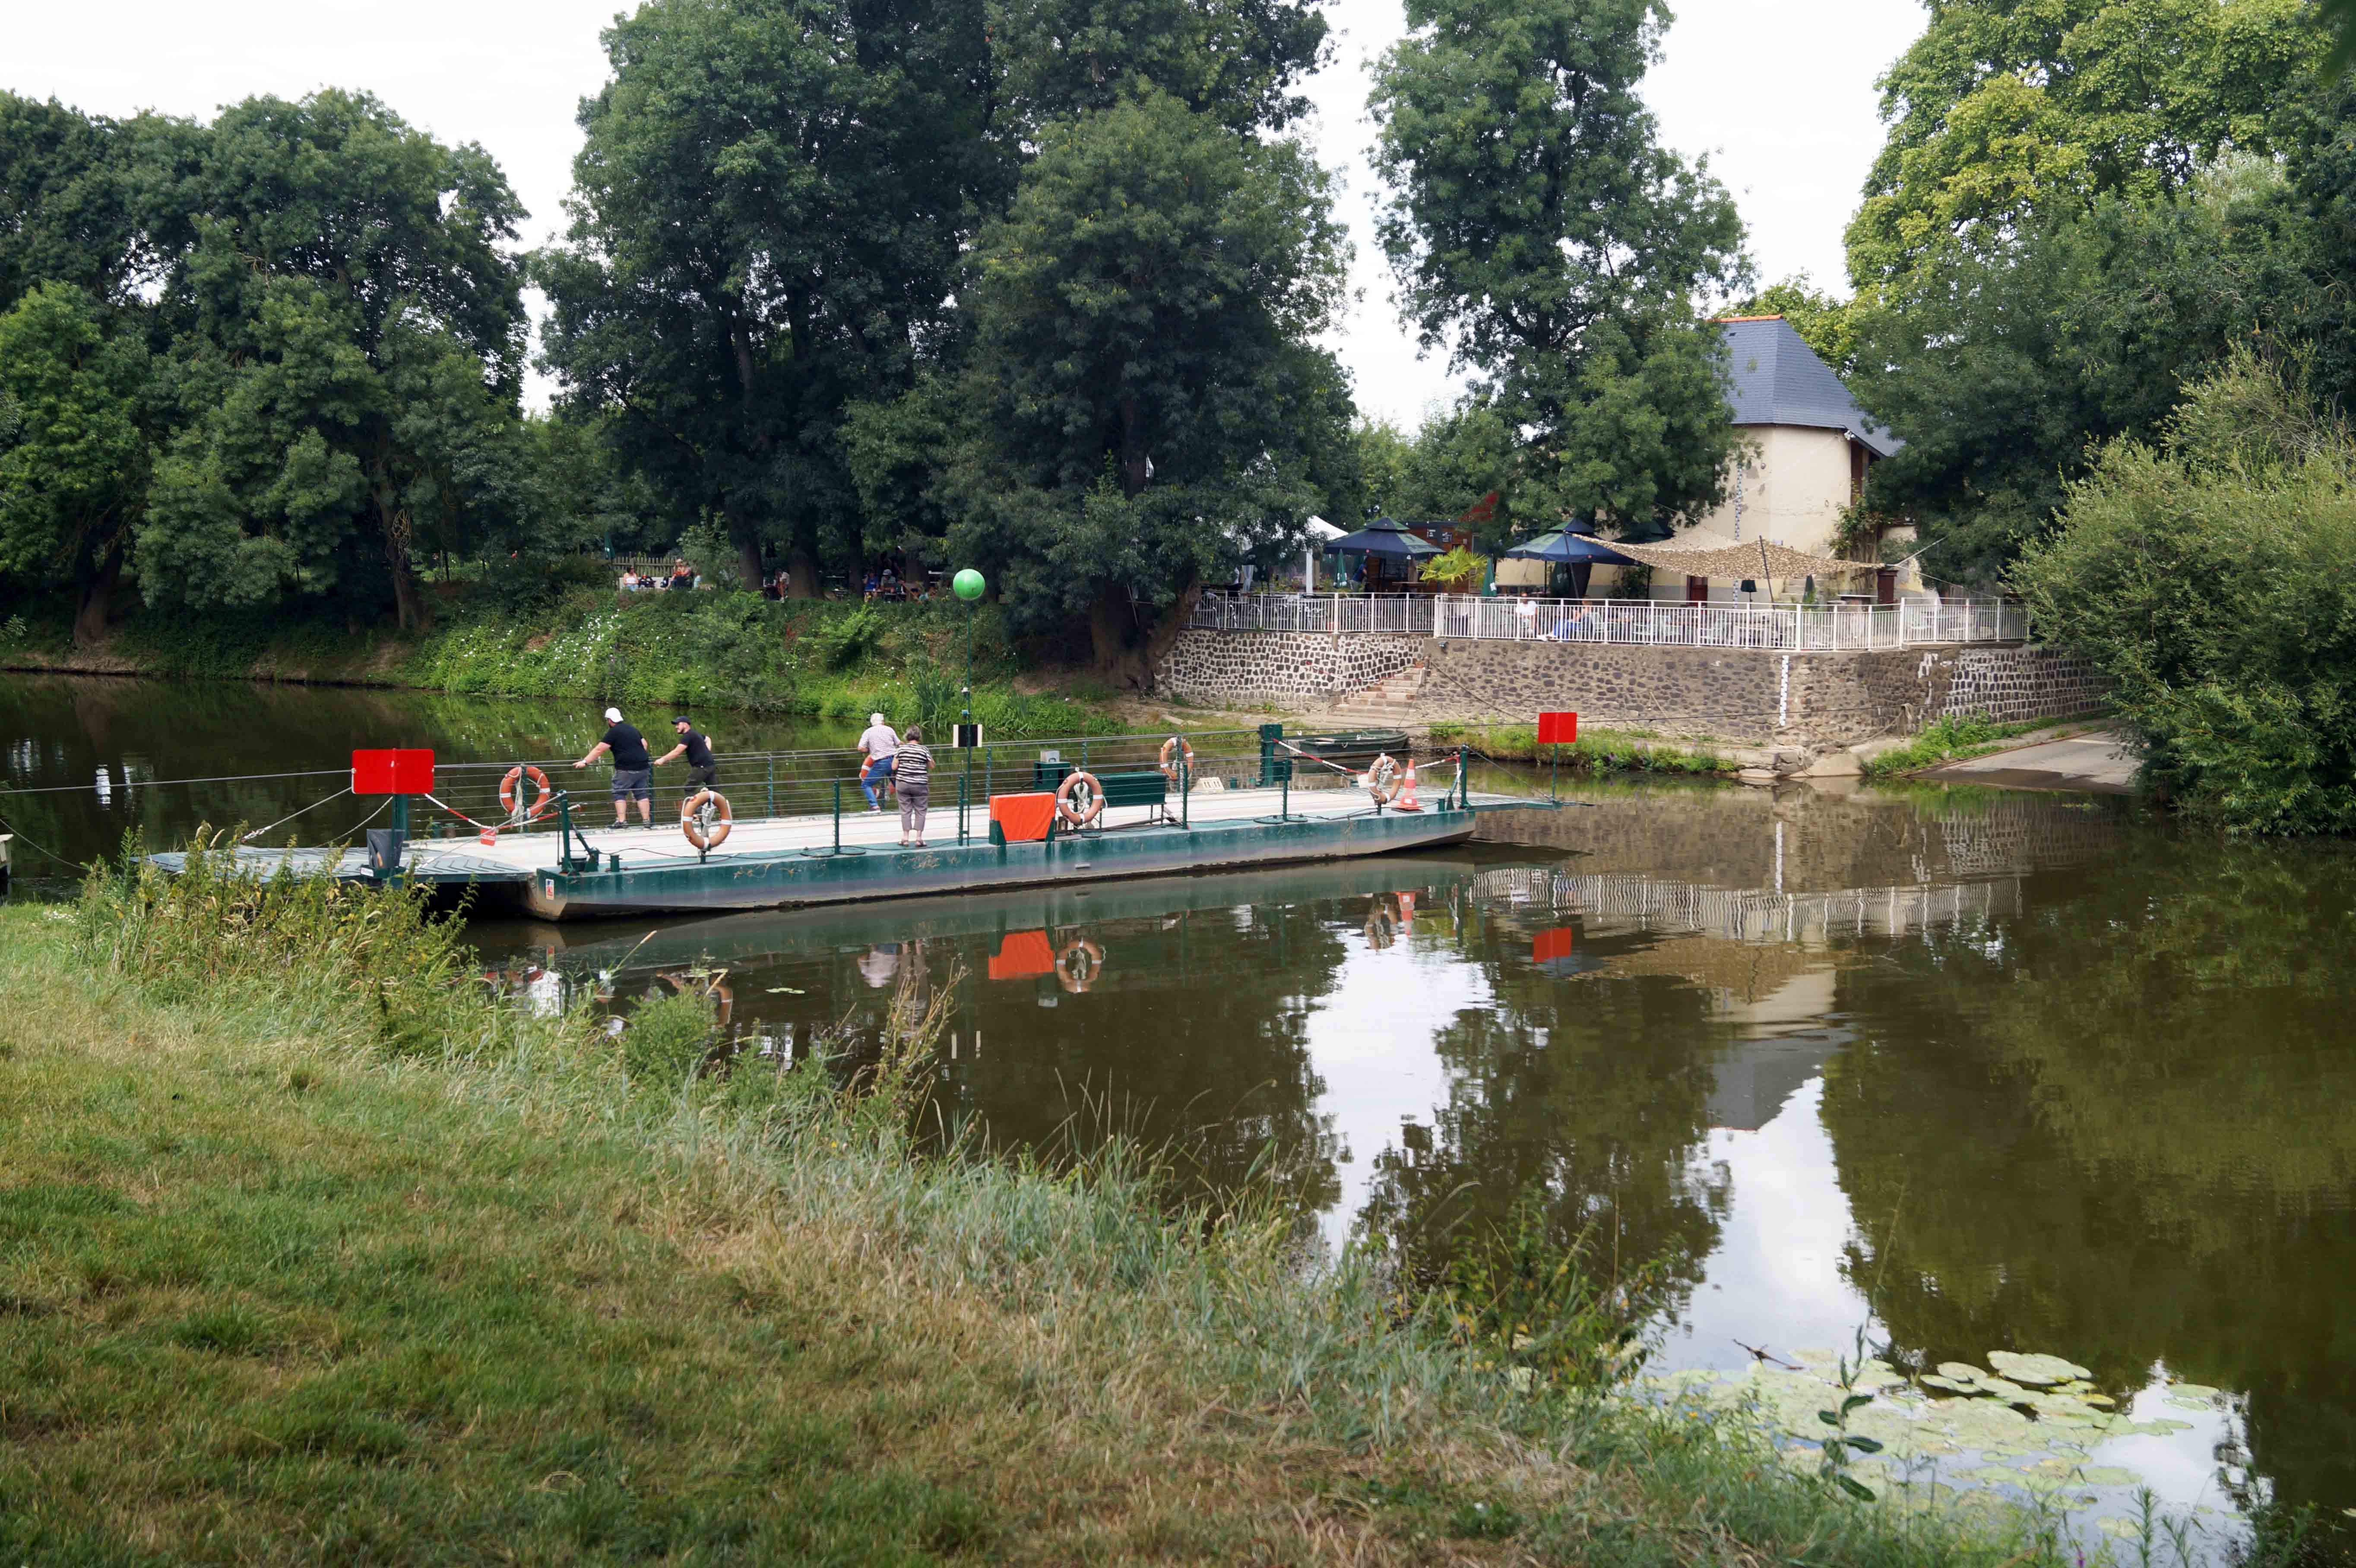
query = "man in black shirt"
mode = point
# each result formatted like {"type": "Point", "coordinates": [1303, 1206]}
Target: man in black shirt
{"type": "Point", "coordinates": [701, 772]}
{"type": "Point", "coordinates": [633, 769]}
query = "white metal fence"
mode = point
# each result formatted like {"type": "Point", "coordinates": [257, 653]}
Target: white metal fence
{"type": "Point", "coordinates": [1775, 627]}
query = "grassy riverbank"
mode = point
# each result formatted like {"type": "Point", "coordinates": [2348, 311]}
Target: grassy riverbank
{"type": "Point", "coordinates": [1948, 740]}
{"type": "Point", "coordinates": [338, 1259]}
{"type": "Point", "coordinates": [1596, 751]}
{"type": "Point", "coordinates": [708, 649]}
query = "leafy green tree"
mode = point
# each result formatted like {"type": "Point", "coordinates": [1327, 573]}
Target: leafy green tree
{"type": "Point", "coordinates": [1453, 461]}
{"type": "Point", "coordinates": [1238, 61]}
{"type": "Point", "coordinates": [1825, 324]}
{"type": "Point", "coordinates": [768, 212]}
{"type": "Point", "coordinates": [2005, 117]}
{"type": "Point", "coordinates": [2002, 369]}
{"type": "Point", "coordinates": [347, 342]}
{"type": "Point", "coordinates": [1541, 232]}
{"type": "Point", "coordinates": [1143, 401]}
{"type": "Point", "coordinates": [74, 447]}
{"type": "Point", "coordinates": [69, 186]}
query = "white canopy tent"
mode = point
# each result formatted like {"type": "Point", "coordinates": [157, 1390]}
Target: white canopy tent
{"type": "Point", "coordinates": [1320, 534]}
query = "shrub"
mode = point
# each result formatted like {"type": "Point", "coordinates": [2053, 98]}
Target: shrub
{"type": "Point", "coordinates": [2213, 580]}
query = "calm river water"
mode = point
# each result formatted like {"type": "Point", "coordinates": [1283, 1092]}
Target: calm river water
{"type": "Point", "coordinates": [1971, 1071]}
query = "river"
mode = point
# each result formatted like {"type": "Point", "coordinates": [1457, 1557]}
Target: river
{"type": "Point", "coordinates": [1970, 1071]}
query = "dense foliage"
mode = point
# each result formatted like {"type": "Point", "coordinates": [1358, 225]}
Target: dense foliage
{"type": "Point", "coordinates": [2212, 576]}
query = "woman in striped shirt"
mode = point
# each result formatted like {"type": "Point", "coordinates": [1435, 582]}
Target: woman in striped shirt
{"type": "Point", "coordinates": [912, 774]}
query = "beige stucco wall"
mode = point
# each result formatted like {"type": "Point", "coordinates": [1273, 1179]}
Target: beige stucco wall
{"type": "Point", "coordinates": [1791, 489]}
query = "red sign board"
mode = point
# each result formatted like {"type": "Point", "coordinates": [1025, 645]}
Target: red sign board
{"type": "Point", "coordinates": [1022, 956]}
{"type": "Point", "coordinates": [402, 772]}
{"type": "Point", "coordinates": [1558, 728]}
{"type": "Point", "coordinates": [1555, 944]}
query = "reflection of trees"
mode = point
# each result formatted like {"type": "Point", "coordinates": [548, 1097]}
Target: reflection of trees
{"type": "Point", "coordinates": [2120, 1127]}
{"type": "Point", "coordinates": [1193, 1041]}
{"type": "Point", "coordinates": [1592, 1098]}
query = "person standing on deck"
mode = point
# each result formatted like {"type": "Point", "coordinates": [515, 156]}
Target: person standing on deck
{"type": "Point", "coordinates": [912, 779]}
{"type": "Point", "coordinates": [702, 772]}
{"type": "Point", "coordinates": [634, 770]}
{"type": "Point", "coordinates": [877, 743]}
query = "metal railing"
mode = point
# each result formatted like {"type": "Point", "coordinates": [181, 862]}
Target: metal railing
{"type": "Point", "coordinates": [1786, 628]}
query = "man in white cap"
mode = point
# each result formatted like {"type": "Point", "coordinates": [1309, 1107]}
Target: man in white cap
{"type": "Point", "coordinates": [634, 770]}
{"type": "Point", "coordinates": [877, 743]}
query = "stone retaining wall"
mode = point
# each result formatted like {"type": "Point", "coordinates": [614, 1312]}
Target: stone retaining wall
{"type": "Point", "coordinates": [1217, 668]}
{"type": "Point", "coordinates": [1818, 700]}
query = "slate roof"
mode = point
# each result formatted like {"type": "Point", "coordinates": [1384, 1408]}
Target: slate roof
{"type": "Point", "coordinates": [1778, 380]}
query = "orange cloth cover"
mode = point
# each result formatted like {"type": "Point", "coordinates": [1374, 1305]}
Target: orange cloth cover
{"type": "Point", "coordinates": [1021, 955]}
{"type": "Point", "coordinates": [1024, 818]}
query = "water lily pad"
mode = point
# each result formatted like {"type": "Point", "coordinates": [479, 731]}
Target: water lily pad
{"type": "Point", "coordinates": [1953, 1385]}
{"type": "Point", "coordinates": [2004, 1389]}
{"type": "Point", "coordinates": [2194, 1391]}
{"type": "Point", "coordinates": [1962, 1372]}
{"type": "Point", "coordinates": [2180, 1402]}
{"type": "Point", "coordinates": [2125, 1529]}
{"type": "Point", "coordinates": [2035, 1369]}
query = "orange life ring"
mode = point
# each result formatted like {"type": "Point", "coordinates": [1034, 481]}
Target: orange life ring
{"type": "Point", "coordinates": [1184, 749]}
{"type": "Point", "coordinates": [1069, 789]}
{"type": "Point", "coordinates": [1079, 963]}
{"type": "Point", "coordinates": [1382, 780]}
{"type": "Point", "coordinates": [692, 825]}
{"type": "Point", "coordinates": [509, 793]}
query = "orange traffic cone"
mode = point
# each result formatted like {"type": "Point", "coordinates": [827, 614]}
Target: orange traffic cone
{"type": "Point", "coordinates": [1407, 801]}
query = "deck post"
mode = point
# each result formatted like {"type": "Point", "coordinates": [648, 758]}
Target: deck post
{"type": "Point", "coordinates": [1185, 790]}
{"type": "Point", "coordinates": [773, 783]}
{"type": "Point", "coordinates": [1270, 734]}
{"type": "Point", "coordinates": [564, 832]}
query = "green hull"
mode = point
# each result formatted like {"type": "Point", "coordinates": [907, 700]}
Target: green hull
{"type": "Point", "coordinates": [772, 881]}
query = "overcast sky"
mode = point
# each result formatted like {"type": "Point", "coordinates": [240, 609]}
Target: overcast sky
{"type": "Point", "coordinates": [1779, 93]}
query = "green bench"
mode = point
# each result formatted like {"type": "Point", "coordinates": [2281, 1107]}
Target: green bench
{"type": "Point", "coordinates": [1147, 786]}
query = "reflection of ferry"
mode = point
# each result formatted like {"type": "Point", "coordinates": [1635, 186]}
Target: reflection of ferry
{"type": "Point", "coordinates": [731, 939]}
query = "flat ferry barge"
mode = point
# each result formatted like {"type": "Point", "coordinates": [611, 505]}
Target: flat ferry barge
{"type": "Point", "coordinates": [1048, 813]}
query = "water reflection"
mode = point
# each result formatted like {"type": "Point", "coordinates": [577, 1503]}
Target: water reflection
{"type": "Point", "coordinates": [1982, 1071]}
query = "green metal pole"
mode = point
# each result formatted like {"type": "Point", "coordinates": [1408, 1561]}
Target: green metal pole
{"type": "Point", "coordinates": [773, 783]}
{"type": "Point", "coordinates": [838, 816]}
{"type": "Point", "coordinates": [965, 716]}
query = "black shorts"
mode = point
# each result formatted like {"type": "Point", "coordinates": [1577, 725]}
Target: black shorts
{"type": "Point", "coordinates": [705, 777]}
{"type": "Point", "coordinates": [633, 784]}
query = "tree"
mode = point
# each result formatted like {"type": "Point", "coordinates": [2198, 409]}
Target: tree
{"type": "Point", "coordinates": [67, 185]}
{"type": "Point", "coordinates": [1142, 401]}
{"type": "Point", "coordinates": [347, 338]}
{"type": "Point", "coordinates": [2005, 117]}
{"type": "Point", "coordinates": [1540, 231]}
{"type": "Point", "coordinates": [2002, 369]}
{"type": "Point", "coordinates": [1825, 324]}
{"type": "Point", "coordinates": [769, 208]}
{"type": "Point", "coordinates": [74, 453]}
{"type": "Point", "coordinates": [1238, 61]}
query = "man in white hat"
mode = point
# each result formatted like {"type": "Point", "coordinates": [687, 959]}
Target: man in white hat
{"type": "Point", "coordinates": [634, 770]}
{"type": "Point", "coordinates": [878, 744]}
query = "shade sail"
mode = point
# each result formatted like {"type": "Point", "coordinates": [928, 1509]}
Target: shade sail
{"type": "Point", "coordinates": [1384, 538]}
{"type": "Point", "coordinates": [1563, 547]}
{"type": "Point", "coordinates": [1760, 558]}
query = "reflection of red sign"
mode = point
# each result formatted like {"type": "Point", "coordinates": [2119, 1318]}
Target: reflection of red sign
{"type": "Point", "coordinates": [1558, 728]}
{"type": "Point", "coordinates": [1555, 944]}
{"type": "Point", "coordinates": [404, 772]}
{"type": "Point", "coordinates": [1020, 955]}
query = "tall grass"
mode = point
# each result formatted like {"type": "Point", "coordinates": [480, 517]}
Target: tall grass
{"type": "Point", "coordinates": [1101, 1339]}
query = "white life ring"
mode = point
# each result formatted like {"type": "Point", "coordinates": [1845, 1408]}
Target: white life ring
{"type": "Point", "coordinates": [691, 821]}
{"type": "Point", "coordinates": [1183, 749]}
{"type": "Point", "coordinates": [509, 793]}
{"type": "Point", "coordinates": [1069, 791]}
{"type": "Point", "coordinates": [1382, 780]}
{"type": "Point", "coordinates": [1079, 963]}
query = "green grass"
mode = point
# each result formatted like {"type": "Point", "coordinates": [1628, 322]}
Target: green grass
{"type": "Point", "coordinates": [298, 1268]}
{"type": "Point", "coordinates": [1948, 740]}
{"type": "Point", "coordinates": [1596, 751]}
